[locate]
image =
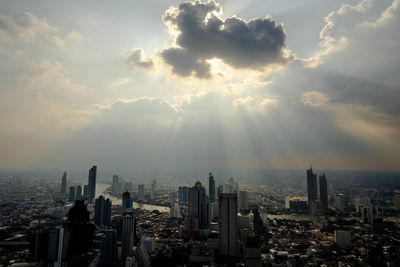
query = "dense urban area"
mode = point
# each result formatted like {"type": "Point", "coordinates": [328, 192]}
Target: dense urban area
{"type": "Point", "coordinates": [311, 221]}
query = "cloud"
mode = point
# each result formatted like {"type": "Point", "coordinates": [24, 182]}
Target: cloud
{"type": "Point", "coordinates": [136, 60]}
{"type": "Point", "coordinates": [121, 82]}
{"type": "Point", "coordinates": [314, 99]}
{"type": "Point", "coordinates": [201, 34]}
{"type": "Point", "coordinates": [75, 36]}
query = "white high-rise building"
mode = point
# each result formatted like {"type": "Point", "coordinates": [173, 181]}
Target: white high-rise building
{"type": "Point", "coordinates": [175, 211]}
{"type": "Point", "coordinates": [228, 225]}
{"type": "Point", "coordinates": [228, 188]}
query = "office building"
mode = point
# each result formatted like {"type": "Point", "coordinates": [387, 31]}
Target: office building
{"type": "Point", "coordinates": [92, 184]}
{"type": "Point", "coordinates": [228, 225]}
{"type": "Point", "coordinates": [102, 211]}
{"type": "Point", "coordinates": [79, 192]}
{"type": "Point", "coordinates": [323, 191]}
{"type": "Point", "coordinates": [396, 202]}
{"type": "Point", "coordinates": [126, 200]}
{"type": "Point", "coordinates": [220, 190]}
{"type": "Point", "coordinates": [243, 201]}
{"type": "Point", "coordinates": [312, 189]}
{"type": "Point", "coordinates": [108, 250]}
{"type": "Point", "coordinates": [211, 188]}
{"type": "Point", "coordinates": [64, 183]}
{"type": "Point", "coordinates": [172, 198]}
{"type": "Point", "coordinates": [85, 192]}
{"type": "Point", "coordinates": [198, 206]}
{"type": "Point", "coordinates": [71, 193]}
{"type": "Point", "coordinates": [115, 185]}
{"type": "Point", "coordinates": [228, 188]}
{"type": "Point", "coordinates": [183, 194]}
{"type": "Point", "coordinates": [128, 235]}
{"type": "Point", "coordinates": [340, 202]}
{"type": "Point", "coordinates": [141, 192]}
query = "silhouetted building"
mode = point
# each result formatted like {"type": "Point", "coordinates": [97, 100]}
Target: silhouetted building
{"type": "Point", "coordinates": [312, 189]}
{"type": "Point", "coordinates": [115, 184]}
{"type": "Point", "coordinates": [64, 183]}
{"type": "Point", "coordinates": [198, 205]}
{"type": "Point", "coordinates": [108, 252]}
{"type": "Point", "coordinates": [71, 193]}
{"type": "Point", "coordinates": [220, 190]}
{"type": "Point", "coordinates": [92, 184]}
{"type": "Point", "coordinates": [211, 188]}
{"type": "Point", "coordinates": [252, 252]}
{"type": "Point", "coordinates": [102, 211]}
{"type": "Point", "coordinates": [323, 191]}
{"type": "Point", "coordinates": [228, 225]}
{"type": "Point", "coordinates": [80, 231]}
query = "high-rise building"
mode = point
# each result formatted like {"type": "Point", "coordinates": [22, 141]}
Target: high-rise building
{"type": "Point", "coordinates": [126, 200]}
{"type": "Point", "coordinates": [340, 202]}
{"type": "Point", "coordinates": [228, 188]}
{"type": "Point", "coordinates": [198, 205]}
{"type": "Point", "coordinates": [92, 184]}
{"type": "Point", "coordinates": [323, 191]}
{"type": "Point", "coordinates": [243, 201]}
{"type": "Point", "coordinates": [85, 192]}
{"type": "Point", "coordinates": [79, 192]}
{"type": "Point", "coordinates": [153, 189]}
{"type": "Point", "coordinates": [141, 192]}
{"type": "Point", "coordinates": [102, 211]}
{"type": "Point", "coordinates": [115, 184]}
{"type": "Point", "coordinates": [128, 235]}
{"type": "Point", "coordinates": [108, 252]}
{"type": "Point", "coordinates": [172, 198]}
{"type": "Point", "coordinates": [236, 187]}
{"type": "Point", "coordinates": [211, 188]}
{"type": "Point", "coordinates": [183, 194]}
{"type": "Point", "coordinates": [228, 225]}
{"type": "Point", "coordinates": [64, 183]}
{"type": "Point", "coordinates": [396, 202]}
{"type": "Point", "coordinates": [220, 190]}
{"type": "Point", "coordinates": [312, 190]}
{"type": "Point", "coordinates": [72, 193]}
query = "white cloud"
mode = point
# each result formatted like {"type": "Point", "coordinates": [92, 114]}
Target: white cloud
{"type": "Point", "coordinates": [121, 82]}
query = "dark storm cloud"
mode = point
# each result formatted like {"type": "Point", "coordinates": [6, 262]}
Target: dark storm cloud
{"type": "Point", "coordinates": [204, 35]}
{"type": "Point", "coordinates": [135, 59]}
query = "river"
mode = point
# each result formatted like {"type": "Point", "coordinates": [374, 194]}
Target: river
{"type": "Point", "coordinates": [101, 190]}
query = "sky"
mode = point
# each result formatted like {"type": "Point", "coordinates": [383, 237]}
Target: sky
{"type": "Point", "coordinates": [162, 86]}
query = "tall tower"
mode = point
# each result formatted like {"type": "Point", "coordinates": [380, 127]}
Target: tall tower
{"type": "Point", "coordinates": [64, 183]}
{"type": "Point", "coordinates": [228, 226]}
{"type": "Point", "coordinates": [243, 201]}
{"type": "Point", "coordinates": [128, 235]}
{"type": "Point", "coordinates": [102, 211]}
{"type": "Point", "coordinates": [323, 191]}
{"type": "Point", "coordinates": [211, 188]}
{"type": "Point", "coordinates": [72, 193]}
{"type": "Point", "coordinates": [79, 192]}
{"type": "Point", "coordinates": [141, 192]}
{"type": "Point", "coordinates": [198, 205]}
{"type": "Point", "coordinates": [108, 252]}
{"type": "Point", "coordinates": [115, 184]}
{"type": "Point", "coordinates": [92, 184]}
{"type": "Point", "coordinates": [126, 200]}
{"type": "Point", "coordinates": [312, 189]}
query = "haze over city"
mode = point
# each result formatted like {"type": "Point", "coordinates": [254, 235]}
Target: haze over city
{"type": "Point", "coordinates": [159, 86]}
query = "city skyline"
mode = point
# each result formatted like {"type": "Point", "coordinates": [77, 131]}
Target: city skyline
{"type": "Point", "coordinates": [162, 86]}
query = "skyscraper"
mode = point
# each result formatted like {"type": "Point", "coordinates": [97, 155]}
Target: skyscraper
{"type": "Point", "coordinates": [211, 188]}
{"type": "Point", "coordinates": [128, 235]}
{"type": "Point", "coordinates": [198, 205]}
{"type": "Point", "coordinates": [243, 201]}
{"type": "Point", "coordinates": [115, 184]}
{"type": "Point", "coordinates": [108, 252]}
{"type": "Point", "coordinates": [102, 211]}
{"type": "Point", "coordinates": [92, 184]}
{"type": "Point", "coordinates": [312, 190]}
{"type": "Point", "coordinates": [141, 192]}
{"type": "Point", "coordinates": [183, 194]}
{"type": "Point", "coordinates": [323, 191]}
{"type": "Point", "coordinates": [79, 192]}
{"type": "Point", "coordinates": [72, 193]}
{"type": "Point", "coordinates": [64, 183]}
{"type": "Point", "coordinates": [228, 226]}
{"type": "Point", "coordinates": [85, 192]}
{"type": "Point", "coordinates": [126, 200]}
